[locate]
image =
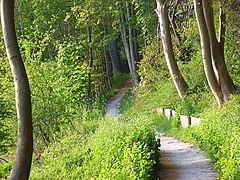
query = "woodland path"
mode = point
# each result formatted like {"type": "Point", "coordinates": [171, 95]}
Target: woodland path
{"type": "Point", "coordinates": [114, 103]}
{"type": "Point", "coordinates": [180, 161]}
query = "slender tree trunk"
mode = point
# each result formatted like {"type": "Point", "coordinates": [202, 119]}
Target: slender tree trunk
{"type": "Point", "coordinates": [128, 44]}
{"type": "Point", "coordinates": [174, 26]}
{"type": "Point", "coordinates": [23, 159]}
{"type": "Point", "coordinates": [131, 44]}
{"type": "Point", "coordinates": [222, 27]}
{"type": "Point", "coordinates": [108, 67]}
{"type": "Point", "coordinates": [134, 35]}
{"type": "Point", "coordinates": [90, 63]}
{"type": "Point", "coordinates": [125, 40]}
{"type": "Point", "coordinates": [219, 65]}
{"type": "Point", "coordinates": [206, 53]}
{"type": "Point", "coordinates": [177, 77]}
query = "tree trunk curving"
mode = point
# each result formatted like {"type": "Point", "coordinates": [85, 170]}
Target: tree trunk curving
{"type": "Point", "coordinates": [23, 159]}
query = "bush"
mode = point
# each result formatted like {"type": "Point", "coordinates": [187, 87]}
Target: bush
{"type": "Point", "coordinates": [123, 150]}
{"type": "Point", "coordinates": [219, 135]}
{"type": "Point", "coordinates": [116, 150]}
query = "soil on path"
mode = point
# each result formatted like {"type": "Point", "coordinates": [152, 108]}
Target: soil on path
{"type": "Point", "coordinates": [114, 102]}
{"type": "Point", "coordinates": [180, 161]}
{"type": "Point", "coordinates": [183, 161]}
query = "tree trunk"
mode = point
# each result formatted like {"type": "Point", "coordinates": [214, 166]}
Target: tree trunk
{"type": "Point", "coordinates": [128, 44]}
{"type": "Point", "coordinates": [90, 63]}
{"type": "Point", "coordinates": [174, 26]}
{"type": "Point", "coordinates": [177, 77]}
{"type": "Point", "coordinates": [108, 67]}
{"type": "Point", "coordinates": [125, 40]}
{"type": "Point", "coordinates": [206, 53]}
{"type": "Point", "coordinates": [23, 159]}
{"type": "Point", "coordinates": [222, 27]}
{"type": "Point", "coordinates": [219, 65]}
{"type": "Point", "coordinates": [131, 44]}
{"type": "Point", "coordinates": [114, 56]}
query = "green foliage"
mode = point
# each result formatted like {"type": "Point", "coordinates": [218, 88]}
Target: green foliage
{"type": "Point", "coordinates": [116, 150]}
{"type": "Point", "coordinates": [117, 82]}
{"type": "Point", "coordinates": [152, 67]}
{"type": "Point", "coordinates": [232, 57]}
{"type": "Point", "coordinates": [219, 135]}
{"type": "Point", "coordinates": [5, 169]}
{"type": "Point", "coordinates": [5, 127]}
{"type": "Point", "coordinates": [195, 104]}
{"type": "Point", "coordinates": [141, 103]}
{"type": "Point", "coordinates": [123, 150]}
{"type": "Point", "coordinates": [7, 106]}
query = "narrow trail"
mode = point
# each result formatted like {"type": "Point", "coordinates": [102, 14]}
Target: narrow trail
{"type": "Point", "coordinates": [183, 161]}
{"type": "Point", "coordinates": [114, 102]}
{"type": "Point", "coordinates": [180, 161]}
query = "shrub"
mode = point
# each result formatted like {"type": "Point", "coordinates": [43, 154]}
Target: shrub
{"type": "Point", "coordinates": [116, 150]}
{"type": "Point", "coordinates": [219, 135]}
{"type": "Point", "coordinates": [123, 150]}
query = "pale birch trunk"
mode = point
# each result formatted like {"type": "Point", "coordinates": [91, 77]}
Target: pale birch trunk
{"type": "Point", "coordinates": [131, 45]}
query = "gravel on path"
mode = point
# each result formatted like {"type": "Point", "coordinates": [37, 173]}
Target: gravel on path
{"type": "Point", "coordinates": [183, 161]}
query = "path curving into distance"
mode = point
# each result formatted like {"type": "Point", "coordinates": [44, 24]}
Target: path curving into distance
{"type": "Point", "coordinates": [114, 103]}
{"type": "Point", "coordinates": [180, 161]}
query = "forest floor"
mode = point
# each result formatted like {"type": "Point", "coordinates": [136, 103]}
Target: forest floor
{"type": "Point", "coordinates": [179, 161]}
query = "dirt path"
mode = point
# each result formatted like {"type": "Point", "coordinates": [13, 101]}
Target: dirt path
{"type": "Point", "coordinates": [114, 102]}
{"type": "Point", "coordinates": [180, 161]}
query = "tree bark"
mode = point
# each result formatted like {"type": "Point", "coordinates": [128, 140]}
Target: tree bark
{"type": "Point", "coordinates": [125, 39]}
{"type": "Point", "coordinates": [217, 54]}
{"type": "Point", "coordinates": [222, 27]}
{"type": "Point", "coordinates": [128, 46]}
{"type": "Point", "coordinates": [131, 44]}
{"type": "Point", "coordinates": [90, 63]}
{"type": "Point", "coordinates": [23, 159]}
{"type": "Point", "coordinates": [114, 56]}
{"type": "Point", "coordinates": [177, 77]}
{"type": "Point", "coordinates": [206, 52]}
{"type": "Point", "coordinates": [174, 26]}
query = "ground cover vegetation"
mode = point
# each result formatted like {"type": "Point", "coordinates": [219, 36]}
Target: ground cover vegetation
{"type": "Point", "coordinates": [78, 54]}
{"type": "Point", "coordinates": [218, 134]}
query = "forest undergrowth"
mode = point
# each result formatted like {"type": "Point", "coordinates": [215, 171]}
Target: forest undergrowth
{"type": "Point", "coordinates": [77, 56]}
{"type": "Point", "coordinates": [218, 134]}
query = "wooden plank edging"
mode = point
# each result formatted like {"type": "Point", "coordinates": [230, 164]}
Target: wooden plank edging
{"type": "Point", "coordinates": [185, 121]}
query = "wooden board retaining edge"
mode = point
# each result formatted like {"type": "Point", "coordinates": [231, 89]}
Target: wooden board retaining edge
{"type": "Point", "coordinates": [168, 113]}
{"type": "Point", "coordinates": [195, 121]}
{"type": "Point", "coordinates": [185, 121]}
